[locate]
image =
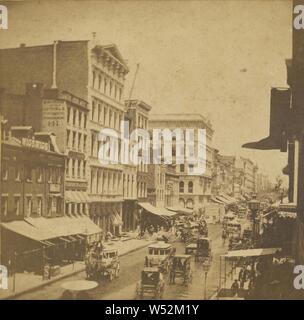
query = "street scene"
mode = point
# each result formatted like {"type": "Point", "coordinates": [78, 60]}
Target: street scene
{"type": "Point", "coordinates": [134, 163]}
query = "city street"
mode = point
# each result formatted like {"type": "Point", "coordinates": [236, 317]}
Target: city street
{"type": "Point", "coordinates": [131, 266]}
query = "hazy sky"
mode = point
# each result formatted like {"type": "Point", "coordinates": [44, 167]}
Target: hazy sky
{"type": "Point", "coordinates": [217, 58]}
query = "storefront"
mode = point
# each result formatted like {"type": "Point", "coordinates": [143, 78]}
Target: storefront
{"type": "Point", "coordinates": [30, 243]}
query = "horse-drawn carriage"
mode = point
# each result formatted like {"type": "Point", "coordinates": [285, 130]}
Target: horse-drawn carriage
{"type": "Point", "coordinates": [201, 249]}
{"type": "Point", "coordinates": [102, 262]}
{"type": "Point", "coordinates": [181, 269]}
{"type": "Point", "coordinates": [159, 255]}
{"type": "Point", "coordinates": [151, 283]}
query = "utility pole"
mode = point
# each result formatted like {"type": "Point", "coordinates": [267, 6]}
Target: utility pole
{"type": "Point", "coordinates": [134, 79]}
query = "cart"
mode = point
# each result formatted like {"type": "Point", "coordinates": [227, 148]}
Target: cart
{"type": "Point", "coordinates": [151, 284]}
{"type": "Point", "coordinates": [203, 250]}
{"type": "Point", "coordinates": [103, 263]}
{"type": "Point", "coordinates": [181, 269]}
{"type": "Point", "coordinates": [159, 255]}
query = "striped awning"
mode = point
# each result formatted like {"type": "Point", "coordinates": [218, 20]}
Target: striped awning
{"type": "Point", "coordinates": [76, 197]}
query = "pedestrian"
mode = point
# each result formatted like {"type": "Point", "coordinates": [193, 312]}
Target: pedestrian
{"type": "Point", "coordinates": [224, 236]}
{"type": "Point", "coordinates": [235, 288]}
{"type": "Point", "coordinates": [146, 261]}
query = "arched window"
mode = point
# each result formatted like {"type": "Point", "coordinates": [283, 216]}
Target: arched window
{"type": "Point", "coordinates": [190, 187]}
{"type": "Point", "coordinates": [181, 187]}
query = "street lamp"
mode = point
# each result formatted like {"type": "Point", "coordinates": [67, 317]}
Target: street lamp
{"type": "Point", "coordinates": [140, 221]}
{"type": "Point", "coordinates": [254, 206]}
{"type": "Point", "coordinates": [206, 267]}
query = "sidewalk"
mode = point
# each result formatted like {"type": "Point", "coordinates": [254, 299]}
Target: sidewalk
{"type": "Point", "coordinates": [27, 282]}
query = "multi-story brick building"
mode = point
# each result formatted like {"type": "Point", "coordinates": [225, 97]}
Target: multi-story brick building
{"type": "Point", "coordinates": [157, 185]}
{"type": "Point", "coordinates": [248, 175]}
{"type": "Point", "coordinates": [33, 222]}
{"type": "Point", "coordinates": [93, 73]}
{"type": "Point", "coordinates": [223, 174]}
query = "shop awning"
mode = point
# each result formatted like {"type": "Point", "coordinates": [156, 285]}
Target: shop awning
{"type": "Point", "coordinates": [76, 197]}
{"type": "Point", "coordinates": [252, 253]}
{"type": "Point", "coordinates": [41, 228]}
{"type": "Point", "coordinates": [25, 229]}
{"type": "Point", "coordinates": [223, 200]}
{"type": "Point", "coordinates": [216, 200]}
{"type": "Point", "coordinates": [231, 199]}
{"type": "Point", "coordinates": [181, 210]}
{"type": "Point", "coordinates": [240, 197]}
{"type": "Point", "coordinates": [247, 196]}
{"type": "Point", "coordinates": [158, 211]}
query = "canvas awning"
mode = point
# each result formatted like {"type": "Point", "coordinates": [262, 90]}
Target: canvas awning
{"type": "Point", "coordinates": [240, 197]}
{"type": "Point", "coordinates": [158, 211]}
{"type": "Point", "coordinates": [41, 228]}
{"type": "Point", "coordinates": [251, 253]}
{"type": "Point", "coordinates": [180, 210]}
{"type": "Point", "coordinates": [223, 200]}
{"type": "Point", "coordinates": [216, 200]}
{"type": "Point", "coordinates": [231, 199]}
{"type": "Point", "coordinates": [76, 197]}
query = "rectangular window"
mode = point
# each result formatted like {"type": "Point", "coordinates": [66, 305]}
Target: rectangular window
{"type": "Point", "coordinates": [93, 110]}
{"type": "Point", "coordinates": [54, 205]}
{"type": "Point", "coordinates": [68, 138]}
{"type": "Point", "coordinates": [69, 115]}
{"type": "Point", "coordinates": [73, 168]}
{"type": "Point", "coordinates": [17, 173]}
{"type": "Point", "coordinates": [105, 115]}
{"type": "Point", "coordinates": [50, 172]}
{"type": "Point", "coordinates": [79, 141]}
{"type": "Point", "coordinates": [28, 173]}
{"type": "Point", "coordinates": [17, 205]}
{"type": "Point", "coordinates": [74, 117]}
{"type": "Point", "coordinates": [78, 168]}
{"type": "Point", "coordinates": [39, 206]}
{"type": "Point", "coordinates": [191, 168]}
{"type": "Point", "coordinates": [74, 141]}
{"type": "Point", "coordinates": [4, 171]}
{"type": "Point", "coordinates": [29, 206]}
{"type": "Point", "coordinates": [85, 121]}
{"type": "Point", "coordinates": [4, 205]}
{"type": "Point", "coordinates": [84, 143]}
{"type": "Point", "coordinates": [79, 118]}
{"type": "Point", "coordinates": [99, 112]}
{"type": "Point", "coordinates": [84, 169]}
{"type": "Point", "coordinates": [39, 175]}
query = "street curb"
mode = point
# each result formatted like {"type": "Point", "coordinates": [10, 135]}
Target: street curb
{"type": "Point", "coordinates": [39, 286]}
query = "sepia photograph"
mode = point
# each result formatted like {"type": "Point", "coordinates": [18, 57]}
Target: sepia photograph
{"type": "Point", "coordinates": [152, 150]}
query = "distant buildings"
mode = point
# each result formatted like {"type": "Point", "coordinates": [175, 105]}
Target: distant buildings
{"type": "Point", "coordinates": [194, 190]}
{"type": "Point", "coordinates": [237, 177]}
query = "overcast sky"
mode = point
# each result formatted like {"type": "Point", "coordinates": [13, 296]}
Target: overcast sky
{"type": "Point", "coordinates": [217, 58]}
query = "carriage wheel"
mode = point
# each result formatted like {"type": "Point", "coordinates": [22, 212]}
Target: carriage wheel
{"type": "Point", "coordinates": [157, 293]}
